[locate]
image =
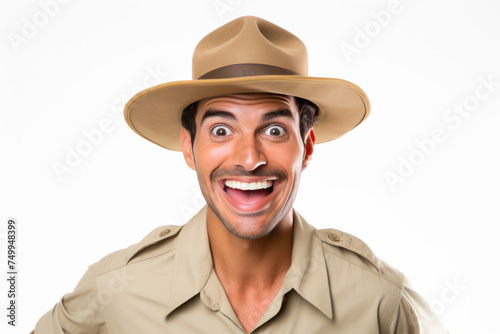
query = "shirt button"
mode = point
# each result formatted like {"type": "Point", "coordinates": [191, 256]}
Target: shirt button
{"type": "Point", "coordinates": [164, 232]}
{"type": "Point", "coordinates": [333, 237]}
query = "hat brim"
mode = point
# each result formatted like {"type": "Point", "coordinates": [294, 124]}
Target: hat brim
{"type": "Point", "coordinates": [155, 113]}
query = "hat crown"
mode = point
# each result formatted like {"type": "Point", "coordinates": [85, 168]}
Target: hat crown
{"type": "Point", "coordinates": [249, 46]}
{"type": "Point", "coordinates": [247, 55]}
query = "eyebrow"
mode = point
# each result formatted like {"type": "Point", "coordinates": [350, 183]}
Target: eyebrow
{"type": "Point", "coordinates": [277, 113]}
{"type": "Point", "coordinates": [218, 113]}
{"type": "Point", "coordinates": [266, 117]}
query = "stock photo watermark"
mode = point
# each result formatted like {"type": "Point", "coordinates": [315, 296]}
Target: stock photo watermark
{"type": "Point", "coordinates": [222, 7]}
{"type": "Point", "coordinates": [364, 35]}
{"type": "Point", "coordinates": [12, 271]}
{"type": "Point", "coordinates": [31, 26]}
{"type": "Point", "coordinates": [104, 296]}
{"type": "Point", "coordinates": [448, 295]}
{"type": "Point", "coordinates": [188, 211]}
{"type": "Point", "coordinates": [453, 119]}
{"type": "Point", "coordinates": [94, 137]}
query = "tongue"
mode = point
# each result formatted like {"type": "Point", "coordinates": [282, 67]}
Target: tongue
{"type": "Point", "coordinates": [247, 196]}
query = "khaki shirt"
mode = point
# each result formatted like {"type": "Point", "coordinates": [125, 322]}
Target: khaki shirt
{"type": "Point", "coordinates": [166, 284]}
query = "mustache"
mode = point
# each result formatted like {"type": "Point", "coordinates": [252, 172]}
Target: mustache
{"type": "Point", "coordinates": [240, 171]}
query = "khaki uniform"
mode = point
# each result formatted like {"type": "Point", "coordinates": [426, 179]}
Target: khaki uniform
{"type": "Point", "coordinates": [166, 284]}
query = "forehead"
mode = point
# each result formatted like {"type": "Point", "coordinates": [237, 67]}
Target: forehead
{"type": "Point", "coordinates": [263, 102]}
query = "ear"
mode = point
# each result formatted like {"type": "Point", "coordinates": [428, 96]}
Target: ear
{"type": "Point", "coordinates": [308, 148]}
{"type": "Point", "coordinates": [187, 149]}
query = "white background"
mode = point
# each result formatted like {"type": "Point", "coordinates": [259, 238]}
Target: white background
{"type": "Point", "coordinates": [437, 224]}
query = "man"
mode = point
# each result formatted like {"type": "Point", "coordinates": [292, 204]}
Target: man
{"type": "Point", "coordinates": [247, 262]}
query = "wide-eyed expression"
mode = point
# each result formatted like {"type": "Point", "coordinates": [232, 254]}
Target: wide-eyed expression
{"type": "Point", "coordinates": [248, 154]}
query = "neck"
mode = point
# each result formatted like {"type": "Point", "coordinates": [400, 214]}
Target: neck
{"type": "Point", "coordinates": [259, 263]}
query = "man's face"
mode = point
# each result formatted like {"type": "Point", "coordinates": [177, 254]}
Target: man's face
{"type": "Point", "coordinates": [248, 155]}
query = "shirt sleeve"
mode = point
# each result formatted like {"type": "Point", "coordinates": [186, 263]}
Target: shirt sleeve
{"type": "Point", "coordinates": [414, 316]}
{"type": "Point", "coordinates": [77, 312]}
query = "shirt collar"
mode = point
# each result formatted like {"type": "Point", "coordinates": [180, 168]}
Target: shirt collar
{"type": "Point", "coordinates": [308, 273]}
{"type": "Point", "coordinates": [193, 265]}
{"type": "Point", "coordinates": [193, 261]}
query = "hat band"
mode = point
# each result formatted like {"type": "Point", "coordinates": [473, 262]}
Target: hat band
{"type": "Point", "coordinates": [245, 70]}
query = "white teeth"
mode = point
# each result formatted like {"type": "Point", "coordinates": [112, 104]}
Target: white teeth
{"type": "Point", "coordinates": [248, 186]}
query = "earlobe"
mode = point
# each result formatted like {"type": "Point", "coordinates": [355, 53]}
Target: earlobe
{"type": "Point", "coordinates": [308, 148]}
{"type": "Point", "coordinates": [187, 149]}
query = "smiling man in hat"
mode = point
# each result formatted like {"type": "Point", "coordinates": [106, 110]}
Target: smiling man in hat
{"type": "Point", "coordinates": [247, 262]}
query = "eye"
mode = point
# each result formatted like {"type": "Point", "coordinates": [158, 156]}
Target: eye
{"type": "Point", "coordinates": [275, 131]}
{"type": "Point", "coordinates": [221, 131]}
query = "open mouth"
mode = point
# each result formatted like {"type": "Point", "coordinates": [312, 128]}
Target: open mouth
{"type": "Point", "coordinates": [248, 192]}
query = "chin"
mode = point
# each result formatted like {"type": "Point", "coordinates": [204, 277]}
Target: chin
{"type": "Point", "coordinates": [248, 226]}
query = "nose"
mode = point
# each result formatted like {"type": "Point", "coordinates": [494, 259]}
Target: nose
{"type": "Point", "coordinates": [248, 154]}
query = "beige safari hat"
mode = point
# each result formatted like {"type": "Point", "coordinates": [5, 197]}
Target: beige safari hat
{"type": "Point", "coordinates": [247, 55]}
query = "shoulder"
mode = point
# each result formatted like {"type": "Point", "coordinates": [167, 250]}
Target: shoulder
{"type": "Point", "coordinates": [159, 241]}
{"type": "Point", "coordinates": [342, 247]}
{"type": "Point", "coordinates": [363, 283]}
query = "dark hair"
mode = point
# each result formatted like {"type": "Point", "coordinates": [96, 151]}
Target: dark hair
{"type": "Point", "coordinates": [308, 114]}
{"type": "Point", "coordinates": [188, 119]}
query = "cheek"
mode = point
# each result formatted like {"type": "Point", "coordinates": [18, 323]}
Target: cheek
{"type": "Point", "coordinates": [208, 158]}
{"type": "Point", "coordinates": [291, 158]}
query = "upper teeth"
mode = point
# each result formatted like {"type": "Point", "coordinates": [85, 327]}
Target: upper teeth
{"type": "Point", "coordinates": [248, 186]}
